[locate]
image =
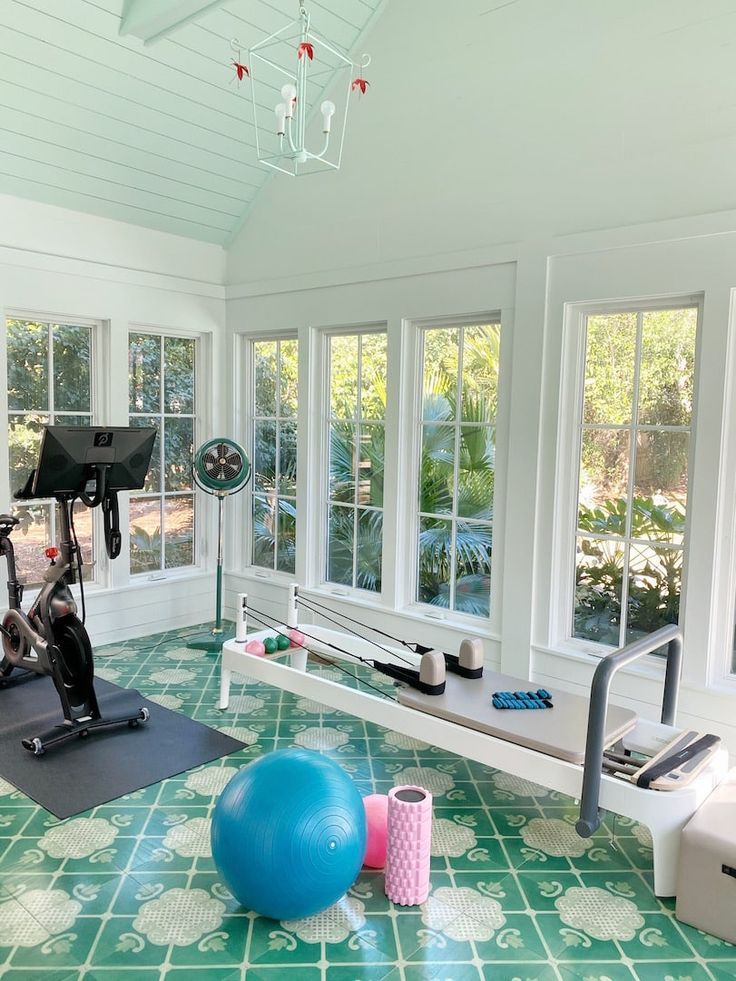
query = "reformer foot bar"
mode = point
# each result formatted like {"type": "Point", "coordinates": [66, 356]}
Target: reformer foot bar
{"type": "Point", "coordinates": [570, 764]}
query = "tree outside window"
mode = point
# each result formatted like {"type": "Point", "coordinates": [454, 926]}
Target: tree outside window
{"type": "Point", "coordinates": [50, 372]}
{"type": "Point", "coordinates": [161, 388]}
{"type": "Point", "coordinates": [274, 454]}
{"type": "Point", "coordinates": [457, 466]}
{"type": "Point", "coordinates": [634, 448]}
{"type": "Point", "coordinates": [357, 440]}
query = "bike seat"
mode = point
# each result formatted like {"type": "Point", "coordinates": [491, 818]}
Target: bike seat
{"type": "Point", "coordinates": [8, 522]}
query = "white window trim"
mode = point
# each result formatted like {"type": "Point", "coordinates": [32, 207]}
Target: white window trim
{"type": "Point", "coordinates": [203, 526]}
{"type": "Point", "coordinates": [322, 405]}
{"type": "Point", "coordinates": [721, 672]}
{"type": "Point", "coordinates": [101, 570]}
{"type": "Point", "coordinates": [564, 531]}
{"type": "Point", "coordinates": [412, 432]}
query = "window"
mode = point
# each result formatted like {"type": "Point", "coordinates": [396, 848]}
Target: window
{"type": "Point", "coordinates": [457, 466]}
{"type": "Point", "coordinates": [162, 376]}
{"type": "Point", "coordinates": [274, 454]}
{"type": "Point", "coordinates": [633, 451]}
{"type": "Point", "coordinates": [50, 382]}
{"type": "Point", "coordinates": [357, 439]}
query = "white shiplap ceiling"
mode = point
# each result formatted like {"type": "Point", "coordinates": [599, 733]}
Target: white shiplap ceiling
{"type": "Point", "coordinates": [157, 135]}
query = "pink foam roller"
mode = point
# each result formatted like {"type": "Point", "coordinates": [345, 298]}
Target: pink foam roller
{"type": "Point", "coordinates": [297, 638]}
{"type": "Point", "coordinates": [256, 647]}
{"type": "Point", "coordinates": [376, 815]}
{"type": "Point", "coordinates": [409, 840]}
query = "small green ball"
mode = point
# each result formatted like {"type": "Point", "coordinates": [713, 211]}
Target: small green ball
{"type": "Point", "coordinates": [271, 645]}
{"type": "Point", "coordinates": [283, 642]}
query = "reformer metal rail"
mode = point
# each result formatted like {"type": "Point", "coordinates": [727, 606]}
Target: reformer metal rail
{"type": "Point", "coordinates": [590, 814]}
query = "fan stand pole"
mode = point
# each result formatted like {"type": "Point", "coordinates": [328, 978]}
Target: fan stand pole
{"type": "Point", "coordinates": [211, 642]}
{"type": "Point", "coordinates": [218, 597]}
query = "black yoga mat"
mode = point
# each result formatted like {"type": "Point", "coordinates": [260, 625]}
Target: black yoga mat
{"type": "Point", "coordinates": [83, 773]}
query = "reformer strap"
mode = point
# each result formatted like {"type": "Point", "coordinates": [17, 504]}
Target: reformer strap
{"type": "Point", "coordinates": [675, 760]}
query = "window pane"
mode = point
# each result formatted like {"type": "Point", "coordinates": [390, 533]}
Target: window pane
{"type": "Point", "coordinates": [178, 375]}
{"type": "Point", "coordinates": [435, 561]}
{"type": "Point", "coordinates": [344, 376]}
{"type": "Point", "coordinates": [30, 538]}
{"type": "Point", "coordinates": [289, 372]}
{"type": "Point", "coordinates": [264, 456]}
{"type": "Point", "coordinates": [439, 391]}
{"type": "Point", "coordinates": [144, 369]}
{"type": "Point", "coordinates": [369, 550]}
{"type": "Point", "coordinates": [145, 534]}
{"type": "Point", "coordinates": [287, 458]}
{"type": "Point", "coordinates": [476, 468]}
{"type": "Point", "coordinates": [178, 531]}
{"type": "Point", "coordinates": [286, 559]}
{"type": "Point", "coordinates": [340, 545]}
{"type": "Point", "coordinates": [342, 462]}
{"type": "Point", "coordinates": [372, 452]}
{"type": "Point", "coordinates": [604, 476]}
{"type": "Point", "coordinates": [153, 477]}
{"type": "Point", "coordinates": [609, 368]}
{"type": "Point", "coordinates": [437, 474]}
{"type": "Point", "coordinates": [24, 440]}
{"type": "Point", "coordinates": [660, 485]}
{"type": "Point", "coordinates": [667, 372]}
{"type": "Point", "coordinates": [264, 538]}
{"type": "Point", "coordinates": [373, 376]}
{"type": "Point", "coordinates": [72, 359]}
{"type": "Point", "coordinates": [28, 371]}
{"type": "Point", "coordinates": [178, 450]}
{"type": "Point", "coordinates": [655, 583]}
{"type": "Point", "coordinates": [266, 373]}
{"type": "Point", "coordinates": [481, 354]}
{"type": "Point", "coordinates": [473, 550]}
{"type": "Point", "coordinates": [598, 590]}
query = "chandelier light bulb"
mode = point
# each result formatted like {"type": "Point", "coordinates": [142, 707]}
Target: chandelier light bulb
{"type": "Point", "coordinates": [328, 111]}
{"type": "Point", "coordinates": [288, 94]}
{"type": "Point", "coordinates": [280, 112]}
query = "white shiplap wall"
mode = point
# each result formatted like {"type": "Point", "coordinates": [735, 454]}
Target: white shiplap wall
{"type": "Point", "coordinates": [157, 135]}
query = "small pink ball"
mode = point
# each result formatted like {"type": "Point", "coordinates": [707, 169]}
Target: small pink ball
{"type": "Point", "coordinates": [297, 638]}
{"type": "Point", "coordinates": [376, 815]}
{"type": "Point", "coordinates": [256, 647]}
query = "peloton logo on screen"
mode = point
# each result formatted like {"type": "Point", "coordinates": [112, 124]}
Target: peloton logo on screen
{"type": "Point", "coordinates": [103, 439]}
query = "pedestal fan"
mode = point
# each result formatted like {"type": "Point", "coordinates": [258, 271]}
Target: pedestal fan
{"type": "Point", "coordinates": [220, 468]}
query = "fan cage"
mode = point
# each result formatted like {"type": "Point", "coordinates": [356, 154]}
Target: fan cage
{"type": "Point", "coordinates": [221, 465]}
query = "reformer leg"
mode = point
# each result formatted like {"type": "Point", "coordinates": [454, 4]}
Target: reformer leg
{"type": "Point", "coordinates": [666, 854]}
{"type": "Point", "coordinates": [225, 678]}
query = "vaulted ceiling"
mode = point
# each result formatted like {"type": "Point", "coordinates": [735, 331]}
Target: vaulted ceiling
{"type": "Point", "coordinates": [130, 109]}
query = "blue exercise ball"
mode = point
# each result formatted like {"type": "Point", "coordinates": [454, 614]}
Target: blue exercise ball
{"type": "Point", "coordinates": [289, 834]}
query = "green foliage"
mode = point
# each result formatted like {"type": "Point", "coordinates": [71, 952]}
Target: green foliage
{"type": "Point", "coordinates": [655, 579]}
{"type": "Point", "coordinates": [469, 493]}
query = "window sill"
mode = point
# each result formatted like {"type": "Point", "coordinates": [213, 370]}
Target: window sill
{"type": "Point", "coordinates": [410, 614]}
{"type": "Point", "coordinates": [172, 575]}
{"type": "Point", "coordinates": [649, 668]}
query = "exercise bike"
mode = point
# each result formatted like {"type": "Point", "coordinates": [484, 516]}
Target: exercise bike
{"type": "Point", "coordinates": [90, 465]}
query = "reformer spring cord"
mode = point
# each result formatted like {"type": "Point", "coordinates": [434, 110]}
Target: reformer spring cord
{"type": "Point", "coordinates": [307, 607]}
{"type": "Point", "coordinates": [269, 626]}
{"type": "Point", "coordinates": [397, 640]}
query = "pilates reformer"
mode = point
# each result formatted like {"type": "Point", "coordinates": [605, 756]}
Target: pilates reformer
{"type": "Point", "coordinates": [600, 754]}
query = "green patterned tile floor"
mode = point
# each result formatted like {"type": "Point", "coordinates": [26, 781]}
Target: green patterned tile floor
{"type": "Point", "coordinates": [129, 890]}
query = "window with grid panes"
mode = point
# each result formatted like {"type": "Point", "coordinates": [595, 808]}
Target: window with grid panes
{"type": "Point", "coordinates": [50, 382]}
{"type": "Point", "coordinates": [633, 451]}
{"type": "Point", "coordinates": [460, 369]}
{"type": "Point", "coordinates": [274, 454]}
{"type": "Point", "coordinates": [357, 439]}
{"type": "Point", "coordinates": [162, 383]}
